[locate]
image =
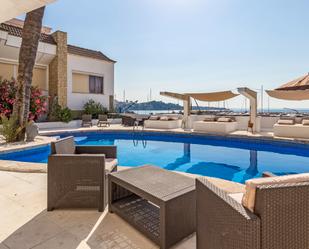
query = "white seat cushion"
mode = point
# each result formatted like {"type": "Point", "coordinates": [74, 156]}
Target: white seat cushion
{"type": "Point", "coordinates": [237, 197]}
{"type": "Point", "coordinates": [110, 163]}
{"type": "Point", "coordinates": [248, 199]}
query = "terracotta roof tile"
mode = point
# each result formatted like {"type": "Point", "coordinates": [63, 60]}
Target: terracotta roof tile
{"type": "Point", "coordinates": [17, 31]}
{"type": "Point", "coordinates": [88, 53]}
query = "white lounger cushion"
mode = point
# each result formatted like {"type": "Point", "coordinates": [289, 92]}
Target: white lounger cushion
{"type": "Point", "coordinates": [224, 119]}
{"type": "Point", "coordinates": [286, 121]}
{"type": "Point", "coordinates": [305, 122]}
{"type": "Point", "coordinates": [248, 200]}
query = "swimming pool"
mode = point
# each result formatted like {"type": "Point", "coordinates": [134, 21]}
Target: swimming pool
{"type": "Point", "coordinates": [235, 159]}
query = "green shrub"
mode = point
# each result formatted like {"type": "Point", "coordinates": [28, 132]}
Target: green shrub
{"type": "Point", "coordinates": [9, 129]}
{"type": "Point", "coordinates": [65, 115]}
{"type": "Point", "coordinates": [60, 114]}
{"type": "Point", "coordinates": [94, 108]}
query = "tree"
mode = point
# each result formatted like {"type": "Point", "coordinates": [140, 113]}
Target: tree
{"type": "Point", "coordinates": [27, 55]}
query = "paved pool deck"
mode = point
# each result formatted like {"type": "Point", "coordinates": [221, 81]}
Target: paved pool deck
{"type": "Point", "coordinates": [25, 223]}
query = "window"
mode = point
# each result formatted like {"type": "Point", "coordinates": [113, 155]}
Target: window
{"type": "Point", "coordinates": [95, 84]}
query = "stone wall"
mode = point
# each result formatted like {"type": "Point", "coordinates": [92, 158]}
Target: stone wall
{"type": "Point", "coordinates": [58, 70]}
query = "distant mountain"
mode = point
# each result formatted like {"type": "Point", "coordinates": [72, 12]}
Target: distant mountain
{"type": "Point", "coordinates": [155, 105]}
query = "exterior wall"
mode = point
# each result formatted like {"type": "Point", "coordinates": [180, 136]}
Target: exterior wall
{"type": "Point", "coordinates": [58, 69]}
{"type": "Point", "coordinates": [39, 78]}
{"type": "Point", "coordinates": [88, 66]}
{"type": "Point", "coordinates": [6, 71]}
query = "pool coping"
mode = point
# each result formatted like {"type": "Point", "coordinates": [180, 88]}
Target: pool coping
{"type": "Point", "coordinates": [187, 133]}
{"type": "Point", "coordinates": [27, 167]}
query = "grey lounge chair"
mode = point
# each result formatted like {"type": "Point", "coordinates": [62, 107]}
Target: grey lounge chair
{"type": "Point", "coordinates": [86, 120]}
{"type": "Point", "coordinates": [77, 175]}
{"type": "Point", "coordinates": [102, 120]}
{"type": "Point", "coordinates": [280, 219]}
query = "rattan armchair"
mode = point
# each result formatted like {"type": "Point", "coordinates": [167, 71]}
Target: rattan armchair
{"type": "Point", "coordinates": [77, 175]}
{"type": "Point", "coordinates": [280, 219]}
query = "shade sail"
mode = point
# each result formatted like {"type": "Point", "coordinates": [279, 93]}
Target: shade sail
{"type": "Point", "coordinates": [174, 95]}
{"type": "Point", "coordinates": [301, 83]}
{"type": "Point", "coordinates": [214, 96]}
{"type": "Point", "coordinates": [12, 8]}
{"type": "Point", "coordinates": [289, 95]}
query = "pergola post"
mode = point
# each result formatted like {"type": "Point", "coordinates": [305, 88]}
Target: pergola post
{"type": "Point", "coordinates": [186, 111]}
{"type": "Point", "coordinates": [252, 96]}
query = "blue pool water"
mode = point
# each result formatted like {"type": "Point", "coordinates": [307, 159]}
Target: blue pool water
{"type": "Point", "coordinates": [232, 159]}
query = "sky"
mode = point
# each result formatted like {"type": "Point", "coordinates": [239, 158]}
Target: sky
{"type": "Point", "coordinates": [192, 45]}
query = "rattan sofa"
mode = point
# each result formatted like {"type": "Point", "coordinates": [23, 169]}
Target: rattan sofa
{"type": "Point", "coordinates": [280, 219]}
{"type": "Point", "coordinates": [77, 175]}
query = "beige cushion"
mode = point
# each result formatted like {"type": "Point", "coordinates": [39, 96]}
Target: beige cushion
{"type": "Point", "coordinates": [209, 119]}
{"type": "Point", "coordinates": [248, 200]}
{"type": "Point", "coordinates": [237, 197]}
{"type": "Point", "coordinates": [305, 122]}
{"type": "Point", "coordinates": [222, 119]}
{"type": "Point", "coordinates": [65, 146]}
{"type": "Point", "coordinates": [173, 118]}
{"type": "Point", "coordinates": [154, 118]}
{"type": "Point", "coordinates": [286, 121]}
{"type": "Point", "coordinates": [164, 118]}
{"type": "Point", "coordinates": [110, 163]}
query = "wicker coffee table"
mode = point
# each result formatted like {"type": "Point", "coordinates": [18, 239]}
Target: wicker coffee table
{"type": "Point", "coordinates": [157, 202]}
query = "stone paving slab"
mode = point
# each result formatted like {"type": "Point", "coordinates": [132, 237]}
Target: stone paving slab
{"type": "Point", "coordinates": [26, 224]}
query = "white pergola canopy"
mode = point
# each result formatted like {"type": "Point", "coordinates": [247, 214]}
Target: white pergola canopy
{"type": "Point", "coordinates": [12, 8]}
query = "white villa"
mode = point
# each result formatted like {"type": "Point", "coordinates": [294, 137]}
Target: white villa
{"type": "Point", "coordinates": [71, 73]}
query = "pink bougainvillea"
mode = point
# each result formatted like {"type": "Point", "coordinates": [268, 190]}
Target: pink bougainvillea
{"type": "Point", "coordinates": [38, 102]}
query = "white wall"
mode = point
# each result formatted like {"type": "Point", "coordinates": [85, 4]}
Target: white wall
{"type": "Point", "coordinates": [90, 66]}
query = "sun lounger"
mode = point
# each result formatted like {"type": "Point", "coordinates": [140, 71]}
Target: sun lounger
{"type": "Point", "coordinates": [86, 120]}
{"type": "Point", "coordinates": [102, 121]}
{"type": "Point", "coordinates": [215, 126]}
{"type": "Point", "coordinates": [291, 130]}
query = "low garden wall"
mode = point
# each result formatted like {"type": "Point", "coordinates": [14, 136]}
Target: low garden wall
{"type": "Point", "coordinates": [70, 125]}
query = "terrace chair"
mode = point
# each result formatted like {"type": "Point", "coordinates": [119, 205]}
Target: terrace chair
{"type": "Point", "coordinates": [77, 175]}
{"type": "Point", "coordinates": [86, 120]}
{"type": "Point", "coordinates": [128, 120]}
{"type": "Point", "coordinates": [102, 121]}
{"type": "Point", "coordinates": [271, 214]}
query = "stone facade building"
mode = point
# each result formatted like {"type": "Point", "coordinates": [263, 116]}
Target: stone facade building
{"type": "Point", "coordinates": [72, 74]}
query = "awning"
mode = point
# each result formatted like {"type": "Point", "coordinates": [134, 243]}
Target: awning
{"type": "Point", "coordinates": [13, 8]}
{"type": "Point", "coordinates": [289, 95]}
{"type": "Point", "coordinates": [213, 96]}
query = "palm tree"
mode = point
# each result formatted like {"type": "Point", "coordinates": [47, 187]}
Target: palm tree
{"type": "Point", "coordinates": [27, 55]}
